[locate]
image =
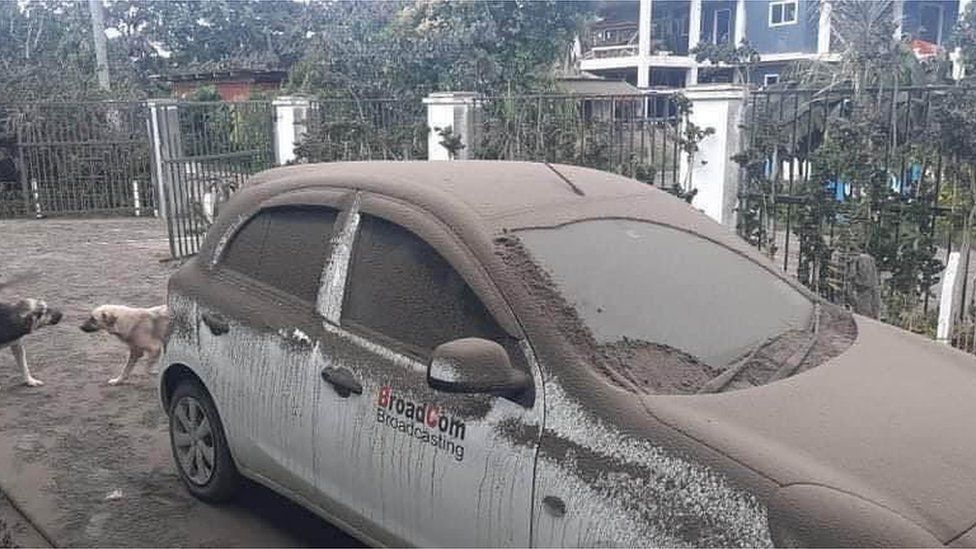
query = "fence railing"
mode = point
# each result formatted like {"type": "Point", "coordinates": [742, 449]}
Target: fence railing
{"type": "Point", "coordinates": [182, 159]}
{"type": "Point", "coordinates": [75, 158]}
{"type": "Point", "coordinates": [376, 129]}
{"type": "Point", "coordinates": [828, 177]}
{"type": "Point", "coordinates": [634, 135]}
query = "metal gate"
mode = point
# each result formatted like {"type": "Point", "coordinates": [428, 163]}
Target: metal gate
{"type": "Point", "coordinates": [75, 158]}
{"type": "Point", "coordinates": [206, 151]}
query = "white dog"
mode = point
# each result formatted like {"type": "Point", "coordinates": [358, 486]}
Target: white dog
{"type": "Point", "coordinates": [143, 330]}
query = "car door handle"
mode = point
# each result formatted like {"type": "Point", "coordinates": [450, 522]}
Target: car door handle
{"type": "Point", "coordinates": [342, 381]}
{"type": "Point", "coordinates": [217, 324]}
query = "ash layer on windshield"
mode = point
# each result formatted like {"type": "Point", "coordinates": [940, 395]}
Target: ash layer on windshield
{"type": "Point", "coordinates": [837, 332]}
{"type": "Point", "coordinates": [645, 367]}
{"type": "Point", "coordinates": [655, 369]}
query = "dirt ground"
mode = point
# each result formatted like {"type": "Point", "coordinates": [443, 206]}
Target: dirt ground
{"type": "Point", "coordinates": [89, 464]}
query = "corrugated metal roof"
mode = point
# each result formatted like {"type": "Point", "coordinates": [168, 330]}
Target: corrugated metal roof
{"type": "Point", "coordinates": [597, 86]}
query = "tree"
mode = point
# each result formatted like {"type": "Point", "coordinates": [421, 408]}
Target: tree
{"type": "Point", "coordinates": [740, 58]}
{"type": "Point", "coordinates": [408, 49]}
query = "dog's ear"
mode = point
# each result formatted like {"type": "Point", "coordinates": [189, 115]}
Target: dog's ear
{"type": "Point", "coordinates": [108, 319]}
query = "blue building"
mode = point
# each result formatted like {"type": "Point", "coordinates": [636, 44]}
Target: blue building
{"type": "Point", "coordinates": [647, 42]}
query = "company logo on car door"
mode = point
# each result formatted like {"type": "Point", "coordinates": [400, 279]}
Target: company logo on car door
{"type": "Point", "coordinates": [423, 421]}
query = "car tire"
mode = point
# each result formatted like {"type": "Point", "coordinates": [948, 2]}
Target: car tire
{"type": "Point", "coordinates": [199, 446]}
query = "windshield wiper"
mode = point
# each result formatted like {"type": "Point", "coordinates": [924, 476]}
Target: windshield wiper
{"type": "Point", "coordinates": [793, 363]}
{"type": "Point", "coordinates": [721, 381]}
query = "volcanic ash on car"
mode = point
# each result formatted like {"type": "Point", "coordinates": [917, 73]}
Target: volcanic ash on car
{"type": "Point", "coordinates": [655, 369]}
{"type": "Point", "coordinates": [645, 367]}
{"type": "Point", "coordinates": [637, 366]}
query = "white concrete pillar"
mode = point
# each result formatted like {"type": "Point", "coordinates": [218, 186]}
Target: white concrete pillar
{"type": "Point", "coordinates": [898, 13]}
{"type": "Point", "coordinates": [644, 44]}
{"type": "Point", "coordinates": [740, 22]}
{"type": "Point", "coordinates": [823, 27]}
{"type": "Point", "coordinates": [165, 145]}
{"type": "Point", "coordinates": [455, 110]}
{"type": "Point", "coordinates": [714, 174]}
{"type": "Point", "coordinates": [958, 69]}
{"type": "Point", "coordinates": [290, 125]}
{"type": "Point", "coordinates": [694, 36]}
{"type": "Point", "coordinates": [694, 23]}
{"type": "Point", "coordinates": [948, 302]}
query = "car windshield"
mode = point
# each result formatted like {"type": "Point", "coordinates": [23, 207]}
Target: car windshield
{"type": "Point", "coordinates": [635, 281]}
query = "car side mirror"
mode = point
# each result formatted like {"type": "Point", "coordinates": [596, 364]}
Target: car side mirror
{"type": "Point", "coordinates": [474, 365]}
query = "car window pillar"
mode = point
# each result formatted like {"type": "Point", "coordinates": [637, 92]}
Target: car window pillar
{"type": "Point", "coordinates": [331, 289]}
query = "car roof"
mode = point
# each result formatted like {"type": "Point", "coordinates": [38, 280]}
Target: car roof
{"type": "Point", "coordinates": [480, 199]}
{"type": "Point", "coordinates": [495, 192]}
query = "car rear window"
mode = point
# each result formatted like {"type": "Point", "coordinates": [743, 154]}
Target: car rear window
{"type": "Point", "coordinates": [284, 247]}
{"type": "Point", "coordinates": [401, 288]}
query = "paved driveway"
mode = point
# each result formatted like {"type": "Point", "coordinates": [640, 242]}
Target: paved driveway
{"type": "Point", "coordinates": [89, 464]}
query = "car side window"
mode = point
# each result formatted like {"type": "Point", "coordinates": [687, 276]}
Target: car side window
{"type": "Point", "coordinates": [401, 288]}
{"type": "Point", "coordinates": [284, 247]}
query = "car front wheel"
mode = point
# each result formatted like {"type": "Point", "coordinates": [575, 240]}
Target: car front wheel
{"type": "Point", "coordinates": [199, 446]}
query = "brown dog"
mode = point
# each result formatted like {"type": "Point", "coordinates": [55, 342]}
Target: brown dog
{"type": "Point", "coordinates": [143, 330]}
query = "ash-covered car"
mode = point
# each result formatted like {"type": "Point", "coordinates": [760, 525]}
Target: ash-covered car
{"type": "Point", "coordinates": [496, 353]}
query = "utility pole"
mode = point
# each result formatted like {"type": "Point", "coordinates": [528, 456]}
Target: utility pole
{"type": "Point", "coordinates": [101, 48]}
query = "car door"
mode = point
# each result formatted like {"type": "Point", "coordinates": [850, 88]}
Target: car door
{"type": "Point", "coordinates": [420, 466]}
{"type": "Point", "coordinates": [261, 330]}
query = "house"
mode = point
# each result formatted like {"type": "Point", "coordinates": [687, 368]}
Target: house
{"type": "Point", "coordinates": [647, 42]}
{"type": "Point", "coordinates": [231, 85]}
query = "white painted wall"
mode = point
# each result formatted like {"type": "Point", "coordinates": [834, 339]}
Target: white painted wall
{"type": "Point", "coordinates": [644, 44]}
{"type": "Point", "coordinates": [947, 301]}
{"type": "Point", "coordinates": [717, 178]}
{"type": "Point", "coordinates": [823, 27]}
{"type": "Point", "coordinates": [290, 126]}
{"type": "Point", "coordinates": [450, 110]}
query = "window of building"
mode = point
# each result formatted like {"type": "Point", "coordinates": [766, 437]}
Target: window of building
{"type": "Point", "coordinates": [402, 289]}
{"type": "Point", "coordinates": [284, 247]}
{"type": "Point", "coordinates": [930, 23]}
{"type": "Point", "coordinates": [770, 79]}
{"type": "Point", "coordinates": [722, 26]}
{"type": "Point", "coordinates": [782, 13]}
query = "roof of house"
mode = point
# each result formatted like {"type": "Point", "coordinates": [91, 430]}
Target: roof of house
{"type": "Point", "coordinates": [591, 85]}
{"type": "Point", "coordinates": [204, 75]}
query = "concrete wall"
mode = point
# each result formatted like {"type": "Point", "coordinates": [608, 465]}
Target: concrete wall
{"type": "Point", "coordinates": [782, 69]}
{"type": "Point", "coordinates": [714, 174]}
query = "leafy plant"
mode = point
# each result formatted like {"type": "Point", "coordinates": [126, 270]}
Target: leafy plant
{"type": "Point", "coordinates": [848, 127]}
{"type": "Point", "coordinates": [450, 141]}
{"type": "Point", "coordinates": [740, 58]}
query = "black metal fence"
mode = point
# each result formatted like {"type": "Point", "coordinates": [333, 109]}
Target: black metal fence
{"type": "Point", "coordinates": [96, 158]}
{"type": "Point", "coordinates": [833, 174]}
{"type": "Point", "coordinates": [208, 149]}
{"type": "Point", "coordinates": [74, 158]}
{"type": "Point", "coordinates": [634, 135]}
{"type": "Point", "coordinates": [372, 129]}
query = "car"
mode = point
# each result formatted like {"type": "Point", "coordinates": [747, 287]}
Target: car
{"type": "Point", "coordinates": [487, 353]}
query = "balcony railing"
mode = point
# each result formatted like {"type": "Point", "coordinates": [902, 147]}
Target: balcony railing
{"type": "Point", "coordinates": [608, 52]}
{"type": "Point", "coordinates": [613, 35]}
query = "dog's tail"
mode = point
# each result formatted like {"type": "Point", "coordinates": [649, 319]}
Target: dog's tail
{"type": "Point", "coordinates": [16, 279]}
